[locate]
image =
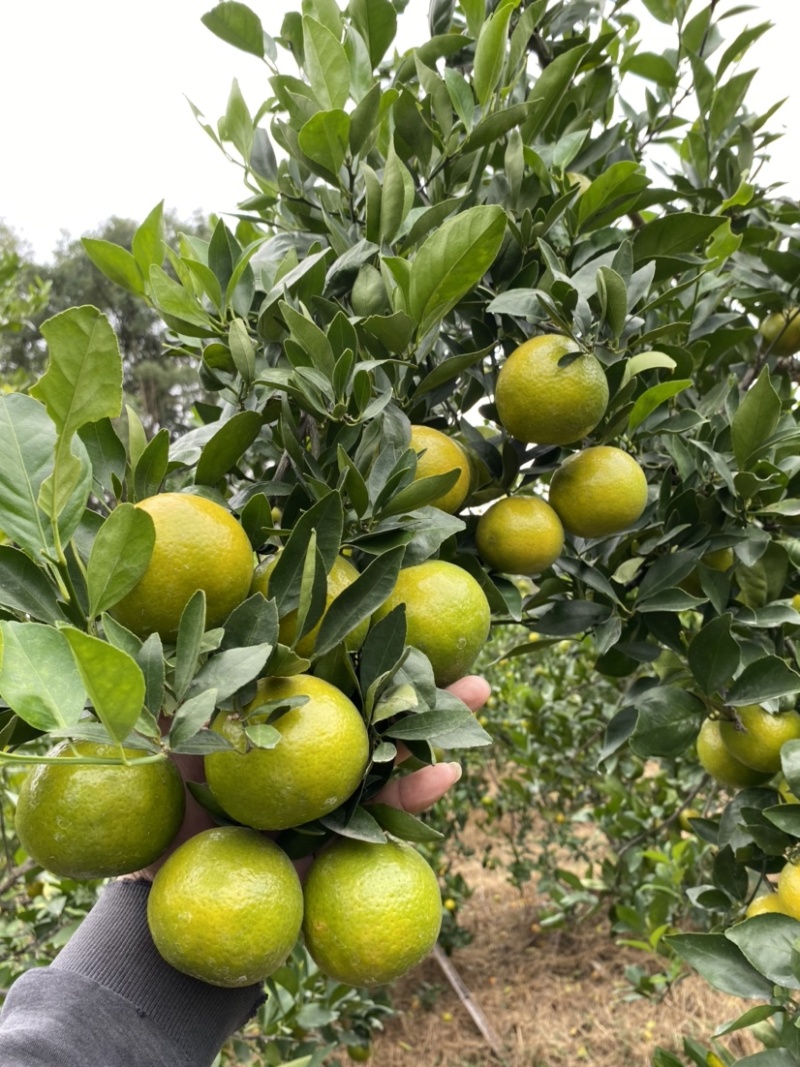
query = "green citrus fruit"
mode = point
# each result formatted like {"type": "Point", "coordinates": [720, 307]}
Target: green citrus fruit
{"type": "Point", "coordinates": [544, 398]}
{"type": "Point", "coordinates": [598, 491]}
{"type": "Point", "coordinates": [447, 615]}
{"type": "Point", "coordinates": [520, 535]}
{"type": "Point", "coordinates": [439, 454]}
{"type": "Point", "coordinates": [789, 889]}
{"type": "Point", "coordinates": [575, 177]}
{"type": "Point", "coordinates": [199, 545]}
{"type": "Point", "coordinates": [315, 766]}
{"type": "Point", "coordinates": [718, 761]}
{"type": "Point", "coordinates": [341, 575]}
{"type": "Point", "coordinates": [94, 820]}
{"type": "Point", "coordinates": [359, 1053]}
{"type": "Point", "coordinates": [721, 559]}
{"type": "Point", "coordinates": [755, 737]}
{"type": "Point", "coordinates": [781, 330]}
{"type": "Point", "coordinates": [767, 902]}
{"type": "Point", "coordinates": [372, 911]}
{"type": "Point", "coordinates": [226, 907]}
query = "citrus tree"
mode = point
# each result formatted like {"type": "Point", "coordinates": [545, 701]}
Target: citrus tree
{"type": "Point", "coordinates": [502, 290]}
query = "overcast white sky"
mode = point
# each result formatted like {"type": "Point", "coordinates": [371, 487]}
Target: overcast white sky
{"type": "Point", "coordinates": [95, 122]}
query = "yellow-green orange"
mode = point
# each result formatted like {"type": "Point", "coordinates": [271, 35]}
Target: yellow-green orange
{"type": "Point", "coordinates": [755, 736]}
{"type": "Point", "coordinates": [721, 559]}
{"type": "Point", "coordinates": [95, 820]}
{"type": "Point", "coordinates": [372, 911]}
{"type": "Point", "coordinates": [789, 889]}
{"type": "Point", "coordinates": [341, 575]}
{"type": "Point", "coordinates": [598, 492]}
{"type": "Point", "coordinates": [550, 393]}
{"type": "Point", "coordinates": [226, 907]}
{"type": "Point", "coordinates": [439, 454]}
{"type": "Point", "coordinates": [315, 766]}
{"type": "Point", "coordinates": [199, 545]}
{"type": "Point", "coordinates": [717, 760]}
{"type": "Point", "coordinates": [781, 330]}
{"type": "Point", "coordinates": [447, 615]}
{"type": "Point", "coordinates": [766, 903]}
{"type": "Point", "coordinates": [520, 535]}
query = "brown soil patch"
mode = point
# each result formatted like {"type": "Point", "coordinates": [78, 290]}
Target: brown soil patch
{"type": "Point", "coordinates": [553, 997]}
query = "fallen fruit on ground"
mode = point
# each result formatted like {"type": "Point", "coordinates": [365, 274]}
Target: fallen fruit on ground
{"type": "Point", "coordinates": [440, 454]}
{"type": "Point", "coordinates": [598, 492]}
{"type": "Point", "coordinates": [199, 545]}
{"type": "Point", "coordinates": [372, 911]}
{"type": "Point", "coordinates": [520, 535]}
{"type": "Point", "coordinates": [341, 575]}
{"type": "Point", "coordinates": [447, 615]}
{"type": "Point", "coordinates": [717, 759]}
{"type": "Point", "coordinates": [99, 820]}
{"type": "Point", "coordinates": [755, 736]}
{"type": "Point", "coordinates": [226, 907]}
{"type": "Point", "coordinates": [316, 764]}
{"type": "Point", "coordinates": [549, 392]}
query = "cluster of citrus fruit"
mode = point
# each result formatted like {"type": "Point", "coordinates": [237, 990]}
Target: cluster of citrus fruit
{"type": "Point", "coordinates": [744, 751]}
{"type": "Point", "coordinates": [227, 905]}
{"type": "Point", "coordinates": [548, 393]}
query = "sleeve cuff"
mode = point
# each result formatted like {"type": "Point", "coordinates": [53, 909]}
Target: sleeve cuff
{"type": "Point", "coordinates": [113, 947]}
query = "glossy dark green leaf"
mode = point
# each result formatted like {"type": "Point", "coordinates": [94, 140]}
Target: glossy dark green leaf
{"type": "Point", "coordinates": [26, 588]}
{"type": "Point", "coordinates": [359, 600]}
{"type": "Point", "coordinates": [755, 419]}
{"type": "Point", "coordinates": [673, 235]}
{"type": "Point", "coordinates": [668, 721]}
{"type": "Point", "coordinates": [764, 679]}
{"type": "Point", "coordinates": [766, 942]}
{"type": "Point", "coordinates": [714, 655]}
{"type": "Point", "coordinates": [151, 660]}
{"type": "Point", "coordinates": [189, 643]}
{"type": "Point", "coordinates": [230, 441]}
{"type": "Point", "coordinates": [722, 965]}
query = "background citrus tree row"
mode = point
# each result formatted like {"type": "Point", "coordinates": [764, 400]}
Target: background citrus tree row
{"type": "Point", "coordinates": [462, 330]}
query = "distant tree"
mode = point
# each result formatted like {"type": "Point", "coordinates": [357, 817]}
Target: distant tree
{"type": "Point", "coordinates": [160, 387]}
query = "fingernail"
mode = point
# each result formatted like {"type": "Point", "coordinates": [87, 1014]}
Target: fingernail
{"type": "Point", "coordinates": [456, 770]}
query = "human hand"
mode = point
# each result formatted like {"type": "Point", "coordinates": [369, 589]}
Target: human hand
{"type": "Point", "coordinates": [412, 793]}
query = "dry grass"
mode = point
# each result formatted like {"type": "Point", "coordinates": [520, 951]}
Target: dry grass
{"type": "Point", "coordinates": [553, 997]}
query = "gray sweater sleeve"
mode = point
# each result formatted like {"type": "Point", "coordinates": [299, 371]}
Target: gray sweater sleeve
{"type": "Point", "coordinates": [110, 999]}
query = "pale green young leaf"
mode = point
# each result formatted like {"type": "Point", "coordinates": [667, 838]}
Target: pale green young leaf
{"type": "Point", "coordinates": [325, 138]}
{"type": "Point", "coordinates": [39, 679]}
{"type": "Point", "coordinates": [236, 24]}
{"type": "Point", "coordinates": [148, 242]}
{"type": "Point", "coordinates": [113, 680]}
{"type": "Point", "coordinates": [120, 555]}
{"type": "Point", "coordinates": [326, 64]}
{"type": "Point", "coordinates": [116, 263]}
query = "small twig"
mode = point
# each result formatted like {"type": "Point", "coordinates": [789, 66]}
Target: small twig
{"type": "Point", "coordinates": [652, 830]}
{"type": "Point", "coordinates": [465, 997]}
{"type": "Point", "coordinates": [16, 872]}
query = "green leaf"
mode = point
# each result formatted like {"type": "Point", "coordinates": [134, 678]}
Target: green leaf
{"type": "Point", "coordinates": [150, 658]}
{"type": "Point", "coordinates": [667, 722]}
{"type": "Point", "coordinates": [672, 235]}
{"type": "Point", "coordinates": [382, 652]}
{"type": "Point", "coordinates": [359, 825]}
{"type": "Point", "coordinates": [227, 672]}
{"type": "Point", "coordinates": [116, 263]}
{"type": "Point", "coordinates": [764, 679]}
{"type": "Point", "coordinates": [150, 469]}
{"type": "Point", "coordinates": [82, 383]}
{"type": "Point", "coordinates": [120, 555]}
{"type": "Point", "coordinates": [148, 242]}
{"type": "Point", "coordinates": [397, 195]}
{"type": "Point", "coordinates": [243, 351]}
{"type": "Point", "coordinates": [401, 824]}
{"type": "Point", "coordinates": [27, 449]}
{"type": "Point", "coordinates": [189, 642]}
{"type": "Point", "coordinates": [755, 420]}
{"type": "Point", "coordinates": [766, 941]}
{"type": "Point", "coordinates": [714, 654]}
{"type": "Point", "coordinates": [653, 398]}
{"type": "Point", "coordinates": [38, 677]}
{"type": "Point", "coordinates": [747, 1019]}
{"type": "Point", "coordinates": [253, 622]}
{"type": "Point", "coordinates": [376, 21]}
{"type": "Point", "coordinates": [490, 51]}
{"type": "Point", "coordinates": [26, 588]}
{"type": "Point", "coordinates": [450, 726]}
{"type": "Point", "coordinates": [191, 717]}
{"type": "Point", "coordinates": [113, 680]}
{"type": "Point", "coordinates": [326, 64]}
{"type": "Point", "coordinates": [549, 89]}
{"type": "Point", "coordinates": [178, 307]}
{"type": "Point", "coordinates": [106, 452]}
{"type": "Point", "coordinates": [325, 138]}
{"type": "Point", "coordinates": [326, 518]}
{"type": "Point", "coordinates": [612, 193]}
{"type": "Point", "coordinates": [236, 24]}
{"type": "Point", "coordinates": [452, 261]}
{"type": "Point", "coordinates": [722, 965]}
{"type": "Point", "coordinates": [359, 600]}
{"type": "Point", "coordinates": [228, 444]}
